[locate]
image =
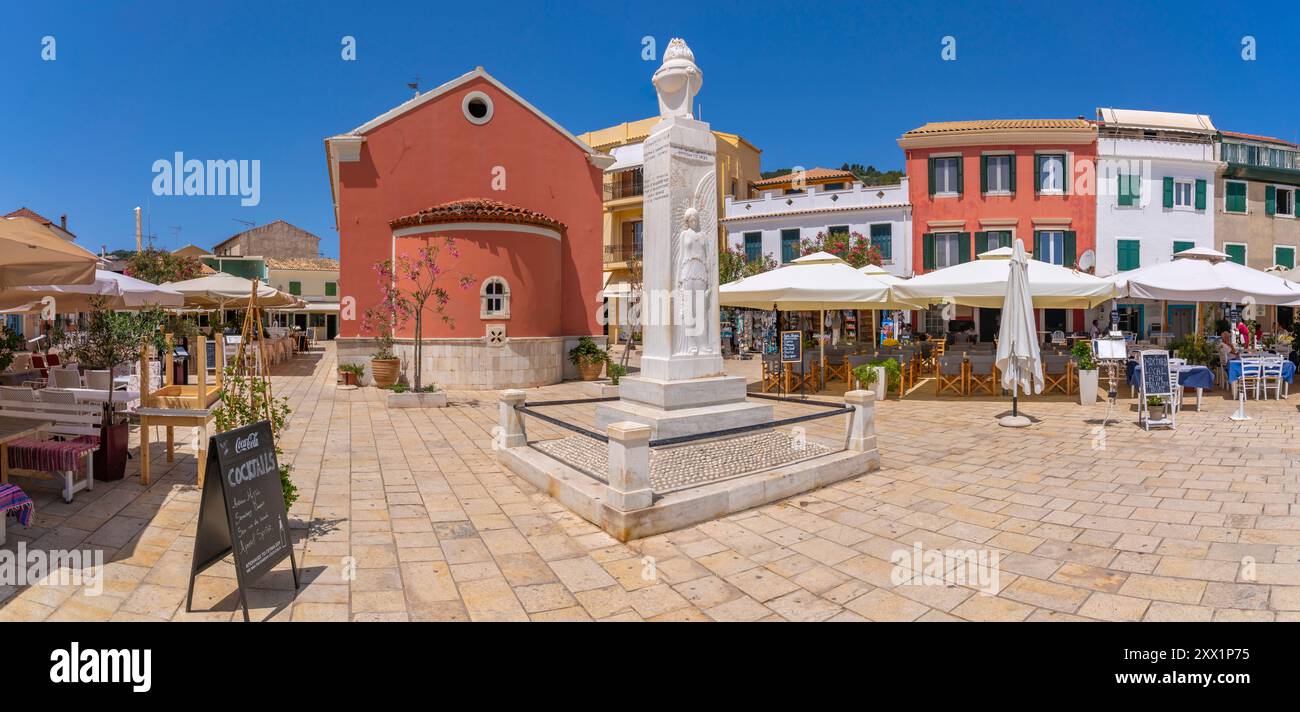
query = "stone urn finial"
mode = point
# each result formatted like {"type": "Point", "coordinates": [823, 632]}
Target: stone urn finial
{"type": "Point", "coordinates": [678, 80]}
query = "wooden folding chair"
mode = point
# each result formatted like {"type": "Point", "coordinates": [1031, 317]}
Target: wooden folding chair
{"type": "Point", "coordinates": [770, 379]}
{"type": "Point", "coordinates": [1057, 374]}
{"type": "Point", "coordinates": [950, 374]}
{"type": "Point", "coordinates": [836, 370]}
{"type": "Point", "coordinates": [981, 375]}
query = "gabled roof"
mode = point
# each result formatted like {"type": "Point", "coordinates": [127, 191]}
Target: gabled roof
{"type": "Point", "coordinates": [948, 127]}
{"type": "Point", "coordinates": [477, 210]}
{"type": "Point", "coordinates": [25, 212]}
{"type": "Point", "coordinates": [257, 228]}
{"type": "Point", "coordinates": [1255, 137]}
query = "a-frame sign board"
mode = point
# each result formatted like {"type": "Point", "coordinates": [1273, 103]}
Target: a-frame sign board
{"type": "Point", "coordinates": [242, 509]}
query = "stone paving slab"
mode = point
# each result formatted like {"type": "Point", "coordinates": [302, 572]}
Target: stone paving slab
{"type": "Point", "coordinates": [405, 515]}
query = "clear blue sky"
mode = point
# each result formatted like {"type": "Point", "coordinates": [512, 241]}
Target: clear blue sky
{"type": "Point", "coordinates": [809, 83]}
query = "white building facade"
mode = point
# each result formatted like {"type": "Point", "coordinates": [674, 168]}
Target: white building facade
{"type": "Point", "coordinates": [1155, 197]}
{"type": "Point", "coordinates": [776, 222]}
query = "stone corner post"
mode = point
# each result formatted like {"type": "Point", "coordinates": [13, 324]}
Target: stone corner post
{"type": "Point", "coordinates": [511, 420]}
{"type": "Point", "coordinates": [860, 434]}
{"type": "Point", "coordinates": [629, 466]}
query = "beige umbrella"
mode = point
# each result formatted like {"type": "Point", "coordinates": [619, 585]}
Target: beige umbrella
{"type": "Point", "coordinates": [30, 254]}
{"type": "Point", "coordinates": [226, 291]}
{"type": "Point", "coordinates": [109, 290]}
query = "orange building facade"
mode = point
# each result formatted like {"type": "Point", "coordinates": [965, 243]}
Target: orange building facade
{"type": "Point", "coordinates": [980, 185]}
{"type": "Point", "coordinates": [521, 197]}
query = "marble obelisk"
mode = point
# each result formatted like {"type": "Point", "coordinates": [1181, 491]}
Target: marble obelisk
{"type": "Point", "coordinates": [682, 388]}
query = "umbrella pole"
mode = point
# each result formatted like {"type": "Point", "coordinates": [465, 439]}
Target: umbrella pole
{"type": "Point", "coordinates": [821, 348]}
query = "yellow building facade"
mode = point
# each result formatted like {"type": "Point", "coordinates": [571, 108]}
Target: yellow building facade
{"type": "Point", "coordinates": [737, 165]}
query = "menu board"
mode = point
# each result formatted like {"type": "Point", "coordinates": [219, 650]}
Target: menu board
{"type": "Point", "coordinates": [791, 346]}
{"type": "Point", "coordinates": [242, 508]}
{"type": "Point", "coordinates": [1155, 373]}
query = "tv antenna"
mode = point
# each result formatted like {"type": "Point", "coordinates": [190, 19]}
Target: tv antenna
{"type": "Point", "coordinates": [245, 223]}
{"type": "Point", "coordinates": [415, 85]}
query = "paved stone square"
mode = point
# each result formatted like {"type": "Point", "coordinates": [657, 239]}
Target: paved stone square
{"type": "Point", "coordinates": [405, 515]}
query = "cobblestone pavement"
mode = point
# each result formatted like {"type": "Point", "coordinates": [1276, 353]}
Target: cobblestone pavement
{"type": "Point", "coordinates": [405, 515]}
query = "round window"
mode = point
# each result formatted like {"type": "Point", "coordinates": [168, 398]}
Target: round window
{"type": "Point", "coordinates": [477, 107]}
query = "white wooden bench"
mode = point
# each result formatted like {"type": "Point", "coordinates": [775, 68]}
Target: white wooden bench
{"type": "Point", "coordinates": [63, 450]}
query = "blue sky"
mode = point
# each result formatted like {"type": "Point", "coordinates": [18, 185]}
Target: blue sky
{"type": "Point", "coordinates": [809, 83]}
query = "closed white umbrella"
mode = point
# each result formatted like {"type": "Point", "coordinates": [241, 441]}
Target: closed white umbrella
{"type": "Point", "coordinates": [1018, 357]}
{"type": "Point", "coordinates": [112, 290]}
{"type": "Point", "coordinates": [983, 283]}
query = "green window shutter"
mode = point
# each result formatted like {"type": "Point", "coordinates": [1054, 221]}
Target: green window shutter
{"type": "Point", "coordinates": [1038, 246]}
{"type": "Point", "coordinates": [927, 251]}
{"type": "Point", "coordinates": [1270, 200]}
{"type": "Point", "coordinates": [984, 174]}
{"type": "Point", "coordinates": [1169, 192]}
{"type": "Point", "coordinates": [961, 178]}
{"type": "Point", "coordinates": [963, 247]}
{"type": "Point", "coordinates": [331, 289]}
{"type": "Point", "coordinates": [1067, 174]}
{"type": "Point", "coordinates": [1180, 245]}
{"type": "Point", "coordinates": [1038, 174]}
{"type": "Point", "coordinates": [930, 167]}
{"type": "Point", "coordinates": [1200, 194]}
{"type": "Point", "coordinates": [1236, 197]}
{"type": "Point", "coordinates": [295, 288]}
{"type": "Point", "coordinates": [1135, 188]}
{"type": "Point", "coordinates": [1122, 185]}
{"type": "Point", "coordinates": [1011, 173]}
{"type": "Point", "coordinates": [1284, 256]}
{"type": "Point", "coordinates": [1004, 238]}
{"type": "Point", "coordinates": [1236, 253]}
{"type": "Point", "coordinates": [1129, 253]}
{"type": "Point", "coordinates": [1068, 246]}
{"type": "Point", "coordinates": [981, 242]}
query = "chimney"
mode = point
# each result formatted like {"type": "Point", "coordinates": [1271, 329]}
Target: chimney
{"type": "Point", "coordinates": [63, 222]}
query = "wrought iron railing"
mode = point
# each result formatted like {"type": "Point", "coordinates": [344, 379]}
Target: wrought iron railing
{"type": "Point", "coordinates": [1261, 156]}
{"type": "Point", "coordinates": [621, 253]}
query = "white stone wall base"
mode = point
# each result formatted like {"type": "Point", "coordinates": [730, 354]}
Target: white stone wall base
{"type": "Point", "coordinates": [671, 395]}
{"type": "Point", "coordinates": [585, 496]}
{"type": "Point", "coordinates": [683, 421]}
{"type": "Point", "coordinates": [600, 389]}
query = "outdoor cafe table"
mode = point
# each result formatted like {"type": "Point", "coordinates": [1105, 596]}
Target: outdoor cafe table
{"type": "Point", "coordinates": [1189, 376]}
{"type": "Point", "coordinates": [99, 395]}
{"type": "Point", "coordinates": [1234, 373]}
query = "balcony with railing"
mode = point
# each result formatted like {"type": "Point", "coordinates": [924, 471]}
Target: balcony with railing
{"type": "Point", "coordinates": [624, 184]}
{"type": "Point", "coordinates": [1262, 159]}
{"type": "Point", "coordinates": [621, 253]}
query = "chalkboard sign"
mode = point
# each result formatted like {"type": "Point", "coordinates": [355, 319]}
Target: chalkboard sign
{"type": "Point", "coordinates": [1155, 373]}
{"type": "Point", "coordinates": [791, 346]}
{"type": "Point", "coordinates": [211, 353]}
{"type": "Point", "coordinates": [242, 509]}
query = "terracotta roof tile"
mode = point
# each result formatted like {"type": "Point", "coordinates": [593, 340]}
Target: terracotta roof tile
{"type": "Point", "coordinates": [303, 263]}
{"type": "Point", "coordinates": [1256, 137]}
{"type": "Point", "coordinates": [810, 174]}
{"type": "Point", "coordinates": [29, 213]}
{"type": "Point", "coordinates": [945, 127]}
{"type": "Point", "coordinates": [477, 210]}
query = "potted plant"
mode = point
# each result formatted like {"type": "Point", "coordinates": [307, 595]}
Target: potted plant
{"type": "Point", "coordinates": [351, 373]}
{"type": "Point", "coordinates": [1086, 362]}
{"type": "Point", "coordinates": [1155, 408]}
{"type": "Point", "coordinates": [871, 373]}
{"type": "Point", "coordinates": [411, 288]}
{"type": "Point", "coordinates": [108, 340]}
{"type": "Point", "coordinates": [615, 371]}
{"type": "Point", "coordinates": [247, 399]}
{"type": "Point", "coordinates": [588, 357]}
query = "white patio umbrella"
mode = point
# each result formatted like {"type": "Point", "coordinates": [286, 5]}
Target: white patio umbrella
{"type": "Point", "coordinates": [1204, 275]}
{"type": "Point", "coordinates": [1018, 357]}
{"type": "Point", "coordinates": [226, 291]}
{"type": "Point", "coordinates": [115, 291]}
{"type": "Point", "coordinates": [983, 283]}
{"type": "Point", "coordinates": [815, 282]}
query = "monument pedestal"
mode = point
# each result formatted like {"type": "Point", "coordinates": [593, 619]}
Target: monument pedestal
{"type": "Point", "coordinates": [683, 407]}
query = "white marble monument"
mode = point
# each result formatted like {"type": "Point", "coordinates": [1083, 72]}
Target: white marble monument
{"type": "Point", "coordinates": [682, 388]}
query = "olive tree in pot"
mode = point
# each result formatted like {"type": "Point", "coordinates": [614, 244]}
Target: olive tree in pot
{"type": "Point", "coordinates": [108, 340]}
{"type": "Point", "coordinates": [1083, 357]}
{"type": "Point", "coordinates": [410, 288]}
{"type": "Point", "coordinates": [247, 399]}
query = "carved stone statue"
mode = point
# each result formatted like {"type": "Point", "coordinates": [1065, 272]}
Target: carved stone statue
{"type": "Point", "coordinates": [678, 80]}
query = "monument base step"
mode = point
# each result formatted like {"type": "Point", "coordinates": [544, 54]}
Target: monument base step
{"type": "Point", "coordinates": [683, 421]}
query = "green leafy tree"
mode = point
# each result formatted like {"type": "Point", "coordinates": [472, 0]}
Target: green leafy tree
{"type": "Point", "coordinates": [247, 399]}
{"type": "Point", "coordinates": [159, 266]}
{"type": "Point", "coordinates": [733, 264]}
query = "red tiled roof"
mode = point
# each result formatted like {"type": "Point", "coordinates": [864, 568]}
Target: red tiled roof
{"type": "Point", "coordinates": [29, 213]}
{"type": "Point", "coordinates": [942, 127]}
{"type": "Point", "coordinates": [810, 174]}
{"type": "Point", "coordinates": [1255, 137]}
{"type": "Point", "coordinates": [477, 210]}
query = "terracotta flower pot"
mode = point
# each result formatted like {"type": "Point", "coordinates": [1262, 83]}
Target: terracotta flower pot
{"type": "Point", "coordinates": [385, 371]}
{"type": "Point", "coordinates": [590, 370]}
{"type": "Point", "coordinates": [349, 378]}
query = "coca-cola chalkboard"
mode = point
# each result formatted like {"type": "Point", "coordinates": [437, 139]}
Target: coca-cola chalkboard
{"type": "Point", "coordinates": [242, 509]}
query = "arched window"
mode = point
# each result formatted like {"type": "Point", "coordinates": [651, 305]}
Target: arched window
{"type": "Point", "coordinates": [495, 294]}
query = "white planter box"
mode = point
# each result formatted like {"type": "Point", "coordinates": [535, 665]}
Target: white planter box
{"type": "Point", "coordinates": [411, 399]}
{"type": "Point", "coordinates": [600, 389]}
{"type": "Point", "coordinates": [1088, 387]}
